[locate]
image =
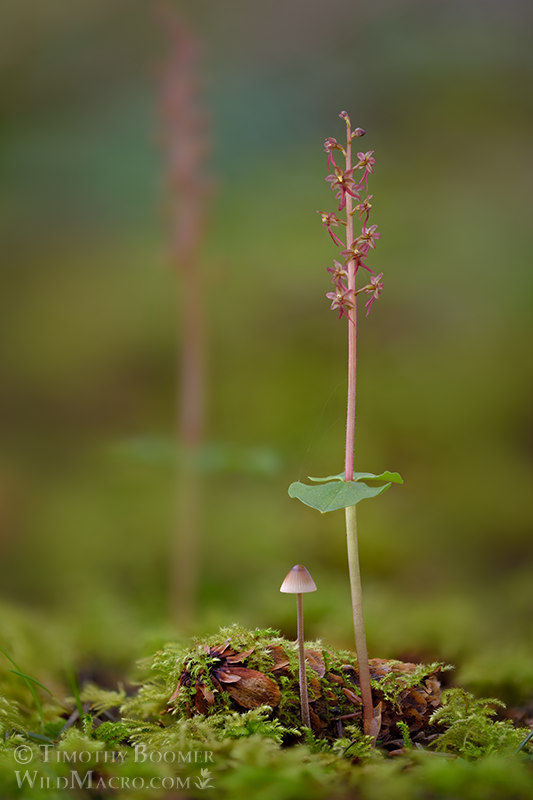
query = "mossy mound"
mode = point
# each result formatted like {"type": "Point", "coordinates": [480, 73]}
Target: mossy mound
{"type": "Point", "coordinates": [240, 670]}
{"type": "Point", "coordinates": [254, 674]}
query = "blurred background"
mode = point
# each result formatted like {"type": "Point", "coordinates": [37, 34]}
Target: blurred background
{"type": "Point", "coordinates": [91, 317]}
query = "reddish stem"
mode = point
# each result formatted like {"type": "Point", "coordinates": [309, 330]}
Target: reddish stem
{"type": "Point", "coordinates": [351, 518]}
{"type": "Point", "coordinates": [352, 329]}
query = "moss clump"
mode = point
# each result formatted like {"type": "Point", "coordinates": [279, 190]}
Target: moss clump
{"type": "Point", "coordinates": [469, 728]}
{"type": "Point", "coordinates": [241, 670]}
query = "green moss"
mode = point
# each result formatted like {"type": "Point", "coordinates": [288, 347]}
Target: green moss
{"type": "Point", "coordinates": [355, 746]}
{"type": "Point", "coordinates": [10, 717]}
{"type": "Point", "coordinates": [262, 752]}
{"type": "Point", "coordinates": [470, 730]}
{"type": "Point", "coordinates": [394, 683]}
{"type": "Point", "coordinates": [112, 733]}
{"type": "Point", "coordinates": [101, 699]}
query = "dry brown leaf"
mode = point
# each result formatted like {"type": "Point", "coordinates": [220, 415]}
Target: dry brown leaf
{"type": "Point", "coordinates": [237, 658]}
{"type": "Point", "coordinates": [316, 662]}
{"type": "Point", "coordinates": [315, 688]}
{"type": "Point", "coordinates": [414, 707]}
{"type": "Point", "coordinates": [332, 677]}
{"type": "Point", "coordinates": [253, 689]}
{"type": "Point", "coordinates": [227, 676]}
{"type": "Point", "coordinates": [207, 693]}
{"type": "Point", "coordinates": [352, 696]}
{"type": "Point", "coordinates": [278, 655]}
{"type": "Point", "coordinates": [203, 698]}
{"type": "Point", "coordinates": [177, 689]}
{"type": "Point", "coordinates": [317, 724]}
{"type": "Point", "coordinates": [379, 667]}
{"type": "Point", "coordinates": [432, 685]}
{"type": "Point", "coordinates": [218, 649]}
{"type": "Point", "coordinates": [330, 697]}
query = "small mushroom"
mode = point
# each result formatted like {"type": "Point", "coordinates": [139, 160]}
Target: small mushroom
{"type": "Point", "coordinates": [298, 581]}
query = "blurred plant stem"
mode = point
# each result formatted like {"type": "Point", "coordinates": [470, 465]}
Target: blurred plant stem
{"type": "Point", "coordinates": [186, 141]}
{"type": "Point", "coordinates": [191, 436]}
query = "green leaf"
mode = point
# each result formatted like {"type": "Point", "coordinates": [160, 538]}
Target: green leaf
{"type": "Point", "coordinates": [210, 458]}
{"type": "Point", "coordinates": [28, 683]}
{"type": "Point", "coordinates": [29, 678]}
{"type": "Point", "coordinates": [334, 495]}
{"type": "Point", "coordinates": [37, 737]}
{"type": "Point", "coordinates": [391, 477]}
{"type": "Point", "coordinates": [339, 477]}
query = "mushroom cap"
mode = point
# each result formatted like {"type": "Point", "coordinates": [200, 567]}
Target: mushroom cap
{"type": "Point", "coordinates": [298, 580]}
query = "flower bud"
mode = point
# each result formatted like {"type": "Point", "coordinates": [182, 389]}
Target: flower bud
{"type": "Point", "coordinates": [331, 144]}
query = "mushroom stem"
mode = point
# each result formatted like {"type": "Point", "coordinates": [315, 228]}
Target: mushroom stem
{"type": "Point", "coordinates": [297, 581]}
{"type": "Point", "coordinates": [304, 699]}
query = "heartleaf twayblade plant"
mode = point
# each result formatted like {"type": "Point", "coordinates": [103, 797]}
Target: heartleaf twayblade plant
{"type": "Point", "coordinates": [345, 490]}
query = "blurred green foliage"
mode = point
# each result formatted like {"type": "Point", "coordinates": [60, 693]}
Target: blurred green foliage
{"type": "Point", "coordinates": [88, 350]}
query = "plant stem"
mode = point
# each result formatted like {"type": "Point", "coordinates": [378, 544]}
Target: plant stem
{"type": "Point", "coordinates": [352, 332]}
{"type": "Point", "coordinates": [304, 699]}
{"type": "Point", "coordinates": [185, 137]}
{"type": "Point", "coordinates": [358, 619]}
{"type": "Point", "coordinates": [351, 518]}
{"type": "Point", "coordinates": [192, 337]}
